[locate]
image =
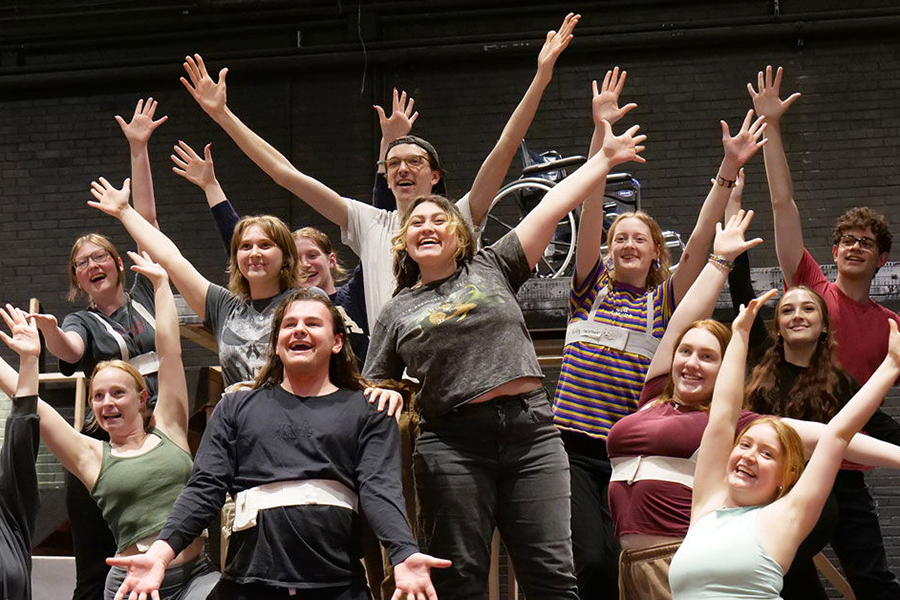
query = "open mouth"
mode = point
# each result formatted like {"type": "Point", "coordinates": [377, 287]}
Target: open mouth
{"type": "Point", "coordinates": [112, 418]}
{"type": "Point", "coordinates": [300, 346]}
{"type": "Point", "coordinates": [405, 183]}
{"type": "Point", "coordinates": [428, 242]}
{"type": "Point", "coordinates": [98, 277]}
{"type": "Point", "coordinates": [744, 472]}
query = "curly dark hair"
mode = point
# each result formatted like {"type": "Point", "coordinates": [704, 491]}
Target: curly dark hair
{"type": "Point", "coordinates": [815, 395]}
{"type": "Point", "coordinates": [862, 217]}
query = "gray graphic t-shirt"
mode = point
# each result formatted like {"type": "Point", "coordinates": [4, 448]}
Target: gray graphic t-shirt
{"type": "Point", "coordinates": [242, 329]}
{"type": "Point", "coordinates": [461, 336]}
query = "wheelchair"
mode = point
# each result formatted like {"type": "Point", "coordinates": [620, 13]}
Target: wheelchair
{"type": "Point", "coordinates": [540, 173]}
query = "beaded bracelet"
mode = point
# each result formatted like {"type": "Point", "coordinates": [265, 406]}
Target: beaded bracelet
{"type": "Point", "coordinates": [721, 262]}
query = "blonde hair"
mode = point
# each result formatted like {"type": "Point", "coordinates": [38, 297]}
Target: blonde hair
{"type": "Point", "coordinates": [140, 386]}
{"type": "Point", "coordinates": [98, 240]}
{"type": "Point", "coordinates": [321, 239]}
{"type": "Point", "coordinates": [657, 274]}
{"type": "Point", "coordinates": [793, 459]}
{"type": "Point", "coordinates": [405, 268]}
{"type": "Point", "coordinates": [274, 229]}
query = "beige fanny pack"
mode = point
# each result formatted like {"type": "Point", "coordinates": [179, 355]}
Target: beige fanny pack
{"type": "Point", "coordinates": [325, 492]}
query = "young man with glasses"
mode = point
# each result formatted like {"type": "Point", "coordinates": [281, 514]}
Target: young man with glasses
{"type": "Point", "coordinates": [862, 242]}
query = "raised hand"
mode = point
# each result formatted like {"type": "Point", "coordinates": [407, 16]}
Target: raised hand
{"type": "Point", "coordinates": [766, 98]}
{"type": "Point", "coordinates": [746, 142]}
{"type": "Point", "coordinates": [747, 315]}
{"type": "Point", "coordinates": [402, 117]}
{"type": "Point", "coordinates": [144, 265]}
{"type": "Point", "coordinates": [110, 200]}
{"type": "Point", "coordinates": [556, 42]}
{"type": "Point", "coordinates": [605, 103]}
{"type": "Point", "coordinates": [210, 95]}
{"type": "Point", "coordinates": [413, 577]}
{"type": "Point", "coordinates": [142, 125]}
{"type": "Point", "coordinates": [622, 148]}
{"type": "Point", "coordinates": [25, 340]}
{"type": "Point", "coordinates": [729, 242]}
{"type": "Point", "coordinates": [188, 164]}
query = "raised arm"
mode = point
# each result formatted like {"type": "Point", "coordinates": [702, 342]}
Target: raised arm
{"type": "Point", "coordinates": [604, 107]}
{"type": "Point", "coordinates": [138, 132]}
{"type": "Point", "coordinates": [801, 507]}
{"type": "Point", "coordinates": [65, 345]}
{"type": "Point", "coordinates": [211, 96]}
{"type": "Point", "coordinates": [114, 202]}
{"type": "Point", "coordinates": [202, 173]}
{"type": "Point", "coordinates": [738, 150]}
{"type": "Point", "coordinates": [77, 453]}
{"type": "Point", "coordinates": [728, 397]}
{"type": "Point", "coordinates": [490, 176]}
{"type": "Point", "coordinates": [8, 378]}
{"type": "Point", "coordinates": [397, 125]}
{"type": "Point", "coordinates": [701, 298]}
{"type": "Point", "coordinates": [536, 230]}
{"type": "Point", "coordinates": [199, 171]}
{"type": "Point", "coordinates": [788, 229]}
{"type": "Point", "coordinates": [171, 412]}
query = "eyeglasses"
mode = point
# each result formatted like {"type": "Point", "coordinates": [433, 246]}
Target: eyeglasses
{"type": "Point", "coordinates": [415, 161]}
{"type": "Point", "coordinates": [865, 243]}
{"type": "Point", "coordinates": [97, 257]}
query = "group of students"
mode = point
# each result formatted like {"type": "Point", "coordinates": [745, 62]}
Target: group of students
{"type": "Point", "coordinates": [639, 458]}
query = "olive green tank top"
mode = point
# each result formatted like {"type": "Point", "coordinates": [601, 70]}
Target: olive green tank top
{"type": "Point", "coordinates": [136, 493]}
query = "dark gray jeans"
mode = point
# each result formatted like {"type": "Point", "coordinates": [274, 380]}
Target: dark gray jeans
{"type": "Point", "coordinates": [497, 463]}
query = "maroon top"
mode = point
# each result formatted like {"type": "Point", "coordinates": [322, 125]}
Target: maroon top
{"type": "Point", "coordinates": [657, 507]}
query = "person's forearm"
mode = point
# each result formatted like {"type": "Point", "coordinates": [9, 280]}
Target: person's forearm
{"type": "Point", "coordinates": [142, 183]}
{"type": "Point", "coordinates": [62, 345]}
{"type": "Point", "coordinates": [317, 195]}
{"type": "Point", "coordinates": [28, 376]}
{"type": "Point", "coordinates": [168, 334]}
{"type": "Point", "coordinates": [778, 173]}
{"type": "Point", "coordinates": [8, 378]}
{"type": "Point", "coordinates": [859, 409]}
{"type": "Point", "coordinates": [492, 172]}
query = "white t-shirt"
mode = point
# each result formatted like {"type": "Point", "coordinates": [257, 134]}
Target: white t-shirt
{"type": "Point", "coordinates": [368, 233]}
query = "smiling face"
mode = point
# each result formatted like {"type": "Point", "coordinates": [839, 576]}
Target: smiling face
{"type": "Point", "coordinates": [409, 174]}
{"type": "Point", "coordinates": [117, 402]}
{"type": "Point", "coordinates": [431, 239]}
{"type": "Point", "coordinates": [259, 258]}
{"type": "Point", "coordinates": [695, 367]}
{"type": "Point", "coordinates": [96, 271]}
{"type": "Point", "coordinates": [306, 338]}
{"type": "Point", "coordinates": [853, 260]}
{"type": "Point", "coordinates": [755, 466]}
{"type": "Point", "coordinates": [315, 265]}
{"type": "Point", "coordinates": [633, 251]}
{"type": "Point", "coordinates": [800, 319]}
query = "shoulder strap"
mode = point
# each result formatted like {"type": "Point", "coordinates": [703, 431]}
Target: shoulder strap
{"type": "Point", "coordinates": [142, 310]}
{"type": "Point", "coordinates": [120, 341]}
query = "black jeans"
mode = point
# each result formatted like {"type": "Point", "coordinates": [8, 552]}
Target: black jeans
{"type": "Point", "coordinates": [594, 541]}
{"type": "Point", "coordinates": [229, 590]}
{"type": "Point", "coordinates": [857, 540]}
{"type": "Point", "coordinates": [496, 464]}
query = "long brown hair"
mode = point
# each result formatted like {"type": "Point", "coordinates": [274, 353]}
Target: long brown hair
{"type": "Point", "coordinates": [722, 335]}
{"type": "Point", "coordinates": [815, 393]}
{"type": "Point", "coordinates": [405, 268]}
{"type": "Point", "coordinates": [342, 368]}
{"type": "Point", "coordinates": [275, 229]}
